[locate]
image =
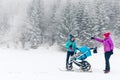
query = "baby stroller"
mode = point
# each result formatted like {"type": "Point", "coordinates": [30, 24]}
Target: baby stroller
{"type": "Point", "coordinates": [79, 58]}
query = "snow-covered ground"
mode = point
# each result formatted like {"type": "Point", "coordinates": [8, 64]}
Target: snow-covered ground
{"type": "Point", "coordinates": [44, 64]}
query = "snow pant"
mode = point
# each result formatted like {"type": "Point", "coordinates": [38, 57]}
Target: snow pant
{"type": "Point", "coordinates": [107, 57]}
{"type": "Point", "coordinates": [68, 56]}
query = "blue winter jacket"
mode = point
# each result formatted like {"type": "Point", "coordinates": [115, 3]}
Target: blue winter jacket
{"type": "Point", "coordinates": [68, 43]}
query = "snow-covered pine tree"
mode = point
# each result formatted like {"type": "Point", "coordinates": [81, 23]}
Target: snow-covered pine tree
{"type": "Point", "coordinates": [67, 22]}
{"type": "Point", "coordinates": [51, 31]}
{"type": "Point", "coordinates": [37, 21]}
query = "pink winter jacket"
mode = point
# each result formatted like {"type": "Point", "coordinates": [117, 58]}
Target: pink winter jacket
{"type": "Point", "coordinates": [107, 42]}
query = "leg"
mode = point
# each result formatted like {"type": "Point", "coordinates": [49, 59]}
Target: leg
{"type": "Point", "coordinates": [107, 63]}
{"type": "Point", "coordinates": [69, 64]}
{"type": "Point", "coordinates": [67, 58]}
{"type": "Point", "coordinates": [71, 54]}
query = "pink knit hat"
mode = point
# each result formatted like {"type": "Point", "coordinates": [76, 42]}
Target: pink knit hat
{"type": "Point", "coordinates": [107, 34]}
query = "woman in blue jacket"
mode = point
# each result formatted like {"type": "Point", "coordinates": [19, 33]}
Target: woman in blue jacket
{"type": "Point", "coordinates": [71, 48]}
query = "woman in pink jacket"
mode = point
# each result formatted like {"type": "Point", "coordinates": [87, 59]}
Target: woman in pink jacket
{"type": "Point", "coordinates": [108, 49]}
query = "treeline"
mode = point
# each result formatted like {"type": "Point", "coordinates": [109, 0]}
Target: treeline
{"type": "Point", "coordinates": [81, 18]}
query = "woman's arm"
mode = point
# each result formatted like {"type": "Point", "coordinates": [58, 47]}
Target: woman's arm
{"type": "Point", "coordinates": [98, 39]}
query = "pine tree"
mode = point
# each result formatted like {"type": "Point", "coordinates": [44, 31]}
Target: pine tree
{"type": "Point", "coordinates": [37, 22]}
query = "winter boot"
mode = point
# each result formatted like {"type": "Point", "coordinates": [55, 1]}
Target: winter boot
{"type": "Point", "coordinates": [106, 71]}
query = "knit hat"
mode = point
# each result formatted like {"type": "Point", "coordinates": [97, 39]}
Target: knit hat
{"type": "Point", "coordinates": [71, 36]}
{"type": "Point", "coordinates": [106, 34]}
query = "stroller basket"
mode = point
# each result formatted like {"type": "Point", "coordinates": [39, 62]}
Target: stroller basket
{"type": "Point", "coordinates": [85, 52]}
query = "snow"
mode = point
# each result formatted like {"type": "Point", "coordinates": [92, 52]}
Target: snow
{"type": "Point", "coordinates": [44, 64]}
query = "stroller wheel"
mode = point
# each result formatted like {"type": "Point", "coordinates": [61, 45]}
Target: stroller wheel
{"type": "Point", "coordinates": [85, 66]}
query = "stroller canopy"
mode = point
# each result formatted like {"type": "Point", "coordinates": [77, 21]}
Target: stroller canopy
{"type": "Point", "coordinates": [85, 52]}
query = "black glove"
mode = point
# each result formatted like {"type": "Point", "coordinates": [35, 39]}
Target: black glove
{"type": "Point", "coordinates": [77, 48]}
{"type": "Point", "coordinates": [111, 52]}
{"type": "Point", "coordinates": [92, 38]}
{"type": "Point", "coordinates": [70, 46]}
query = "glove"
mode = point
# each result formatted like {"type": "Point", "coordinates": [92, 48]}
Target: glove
{"type": "Point", "coordinates": [70, 46]}
{"type": "Point", "coordinates": [92, 38]}
{"type": "Point", "coordinates": [77, 48]}
{"type": "Point", "coordinates": [111, 52]}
